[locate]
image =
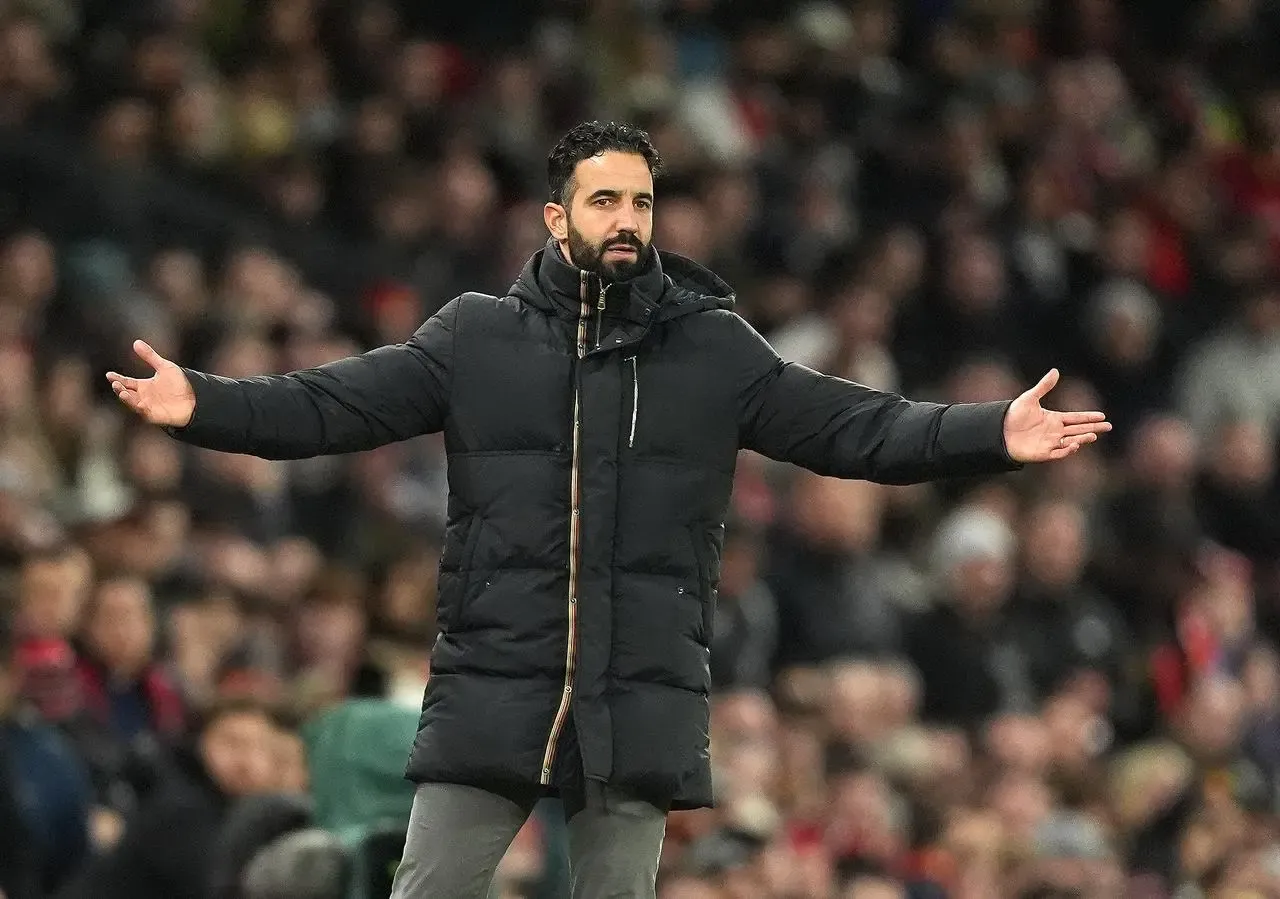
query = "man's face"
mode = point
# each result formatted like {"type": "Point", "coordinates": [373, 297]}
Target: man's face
{"type": "Point", "coordinates": [51, 596]}
{"type": "Point", "coordinates": [237, 750]}
{"type": "Point", "coordinates": [122, 629]}
{"type": "Point", "coordinates": [607, 226]}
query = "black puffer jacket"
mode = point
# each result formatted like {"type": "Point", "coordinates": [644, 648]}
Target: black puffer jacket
{"type": "Point", "coordinates": [592, 434]}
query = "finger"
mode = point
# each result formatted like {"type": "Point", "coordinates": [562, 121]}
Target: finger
{"type": "Point", "coordinates": [1047, 383]}
{"type": "Point", "coordinates": [1099, 427]}
{"type": "Point", "coordinates": [114, 379]}
{"type": "Point", "coordinates": [1079, 418]}
{"type": "Point", "coordinates": [148, 355]}
{"type": "Point", "coordinates": [129, 397]}
{"type": "Point", "coordinates": [1062, 452]}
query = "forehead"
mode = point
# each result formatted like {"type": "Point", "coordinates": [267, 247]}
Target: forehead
{"type": "Point", "coordinates": [238, 722]}
{"type": "Point", "coordinates": [614, 170]}
{"type": "Point", "coordinates": [119, 593]}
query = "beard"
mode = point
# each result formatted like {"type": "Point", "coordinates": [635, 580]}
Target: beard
{"type": "Point", "coordinates": [590, 257]}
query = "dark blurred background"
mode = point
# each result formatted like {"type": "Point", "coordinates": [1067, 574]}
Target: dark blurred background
{"type": "Point", "coordinates": [1060, 683]}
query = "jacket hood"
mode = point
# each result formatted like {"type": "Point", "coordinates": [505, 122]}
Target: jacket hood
{"type": "Point", "coordinates": [670, 286]}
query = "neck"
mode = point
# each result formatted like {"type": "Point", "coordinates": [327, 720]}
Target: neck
{"type": "Point", "coordinates": [563, 247]}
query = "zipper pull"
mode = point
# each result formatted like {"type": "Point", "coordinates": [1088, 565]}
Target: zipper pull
{"type": "Point", "coordinates": [635, 400]}
{"type": "Point", "coordinates": [604, 290]}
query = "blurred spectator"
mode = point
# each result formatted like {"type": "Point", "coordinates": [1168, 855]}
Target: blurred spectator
{"type": "Point", "coordinates": [44, 795]}
{"type": "Point", "coordinates": [1233, 375]}
{"type": "Point", "coordinates": [836, 596]}
{"type": "Point", "coordinates": [165, 850]}
{"type": "Point", "coordinates": [746, 617]}
{"type": "Point", "coordinates": [123, 686]}
{"type": "Point", "coordinates": [966, 647]}
{"type": "Point", "coordinates": [306, 864]}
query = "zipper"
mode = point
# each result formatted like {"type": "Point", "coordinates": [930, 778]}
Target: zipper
{"type": "Point", "coordinates": [635, 399]}
{"type": "Point", "coordinates": [604, 291]}
{"type": "Point", "coordinates": [575, 496]}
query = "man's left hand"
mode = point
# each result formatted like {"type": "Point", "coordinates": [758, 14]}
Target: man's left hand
{"type": "Point", "coordinates": [1035, 434]}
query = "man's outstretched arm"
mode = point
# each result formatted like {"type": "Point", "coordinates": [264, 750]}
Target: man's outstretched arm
{"type": "Point", "coordinates": [838, 428]}
{"type": "Point", "coordinates": [359, 403]}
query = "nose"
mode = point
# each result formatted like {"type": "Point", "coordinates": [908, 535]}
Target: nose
{"type": "Point", "coordinates": [627, 221]}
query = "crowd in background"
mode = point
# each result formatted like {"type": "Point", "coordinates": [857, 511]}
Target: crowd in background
{"type": "Point", "coordinates": [1061, 683]}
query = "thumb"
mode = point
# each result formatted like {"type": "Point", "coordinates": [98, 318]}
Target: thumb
{"type": "Point", "coordinates": [1047, 383]}
{"type": "Point", "coordinates": [149, 355]}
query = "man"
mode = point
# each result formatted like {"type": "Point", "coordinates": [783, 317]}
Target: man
{"type": "Point", "coordinates": [44, 794]}
{"type": "Point", "coordinates": [171, 847]}
{"type": "Point", "coordinates": [592, 419]}
{"type": "Point", "coordinates": [123, 686]}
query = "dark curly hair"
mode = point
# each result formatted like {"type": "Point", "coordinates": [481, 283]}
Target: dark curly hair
{"type": "Point", "coordinates": [591, 139]}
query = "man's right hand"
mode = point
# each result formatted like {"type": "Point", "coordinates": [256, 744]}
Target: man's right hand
{"type": "Point", "coordinates": [165, 399]}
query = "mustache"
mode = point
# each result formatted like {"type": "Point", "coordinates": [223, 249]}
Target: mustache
{"type": "Point", "coordinates": [625, 240]}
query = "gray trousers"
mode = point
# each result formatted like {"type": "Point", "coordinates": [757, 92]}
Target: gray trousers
{"type": "Point", "coordinates": [458, 835]}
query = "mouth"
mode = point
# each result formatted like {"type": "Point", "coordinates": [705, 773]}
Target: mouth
{"type": "Point", "coordinates": [622, 250]}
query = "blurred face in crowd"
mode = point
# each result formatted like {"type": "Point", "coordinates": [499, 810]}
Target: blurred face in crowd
{"type": "Point", "coordinates": [607, 225]}
{"type": "Point", "coordinates": [863, 814]}
{"type": "Point", "coordinates": [981, 584]}
{"type": "Point", "coordinates": [125, 131]}
{"type": "Point", "coordinates": [980, 381]}
{"type": "Point", "coordinates": [1242, 456]}
{"type": "Point", "coordinates": [684, 228]}
{"type": "Point", "coordinates": [1126, 242]}
{"type": "Point", "coordinates": [68, 397]}
{"type": "Point", "coordinates": [122, 626]}
{"type": "Point", "coordinates": [744, 715]}
{"type": "Point", "coordinates": [1262, 313]}
{"type": "Point", "coordinates": [28, 270]}
{"type": "Point", "coordinates": [408, 597]}
{"type": "Point", "coordinates": [1023, 803]}
{"type": "Point", "coordinates": [838, 515]}
{"type": "Point", "coordinates": [153, 461]}
{"type": "Point", "coordinates": [874, 888]}
{"type": "Point", "coordinates": [1261, 680]}
{"type": "Point", "coordinates": [238, 751]}
{"type": "Point", "coordinates": [17, 379]}
{"type": "Point", "coordinates": [1055, 543]}
{"type": "Point", "coordinates": [975, 274]}
{"type": "Point", "coordinates": [1163, 453]}
{"type": "Point", "coordinates": [1019, 742]}
{"type": "Point", "coordinates": [865, 315]}
{"type": "Point", "coordinates": [690, 888]}
{"type": "Point", "coordinates": [330, 632]}
{"type": "Point", "coordinates": [52, 593]}
{"type": "Point", "coordinates": [1213, 718]}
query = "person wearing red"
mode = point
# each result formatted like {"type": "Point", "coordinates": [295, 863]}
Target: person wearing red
{"type": "Point", "coordinates": [122, 686]}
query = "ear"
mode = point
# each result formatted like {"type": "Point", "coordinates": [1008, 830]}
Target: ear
{"type": "Point", "coordinates": [557, 219]}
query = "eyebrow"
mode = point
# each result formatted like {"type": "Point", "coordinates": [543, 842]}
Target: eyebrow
{"type": "Point", "coordinates": [617, 194]}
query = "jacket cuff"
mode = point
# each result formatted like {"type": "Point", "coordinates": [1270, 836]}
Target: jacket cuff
{"type": "Point", "coordinates": [972, 434]}
{"type": "Point", "coordinates": [217, 411]}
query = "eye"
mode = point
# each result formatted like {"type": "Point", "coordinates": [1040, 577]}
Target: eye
{"type": "Point", "coordinates": [644, 204]}
{"type": "Point", "coordinates": [604, 201]}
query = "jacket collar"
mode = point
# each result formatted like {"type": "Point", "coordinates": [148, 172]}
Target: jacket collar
{"type": "Point", "coordinates": [550, 282]}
